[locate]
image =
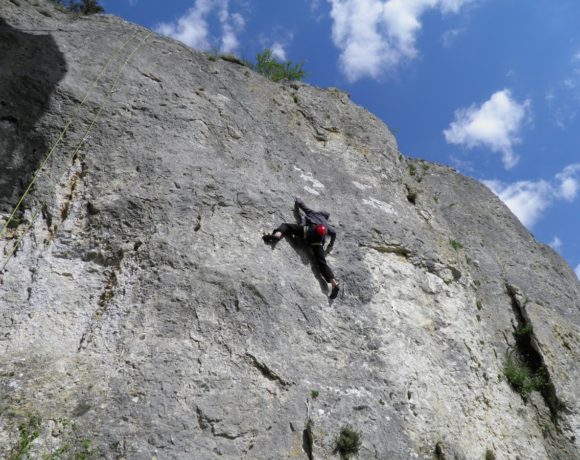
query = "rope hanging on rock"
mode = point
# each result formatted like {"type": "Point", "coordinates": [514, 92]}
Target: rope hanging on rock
{"type": "Point", "coordinates": [109, 92]}
{"type": "Point", "coordinates": [63, 133]}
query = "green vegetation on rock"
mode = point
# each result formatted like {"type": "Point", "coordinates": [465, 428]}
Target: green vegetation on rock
{"type": "Point", "coordinates": [28, 431]}
{"type": "Point", "coordinates": [267, 65]}
{"type": "Point", "coordinates": [30, 426]}
{"type": "Point", "coordinates": [455, 244]}
{"type": "Point", "coordinates": [348, 442]}
{"type": "Point", "coordinates": [521, 378]}
{"type": "Point", "coordinates": [235, 59]}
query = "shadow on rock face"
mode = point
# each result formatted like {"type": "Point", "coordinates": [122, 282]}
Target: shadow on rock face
{"type": "Point", "coordinates": [31, 67]}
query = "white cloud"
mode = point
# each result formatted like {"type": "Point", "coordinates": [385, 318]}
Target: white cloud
{"type": "Point", "coordinates": [529, 199]}
{"type": "Point", "coordinates": [569, 83]}
{"type": "Point", "coordinates": [495, 124]}
{"type": "Point", "coordinates": [563, 96]}
{"type": "Point", "coordinates": [449, 36]}
{"type": "Point", "coordinates": [374, 36]}
{"type": "Point", "coordinates": [568, 182]}
{"type": "Point", "coordinates": [279, 43]}
{"type": "Point", "coordinates": [278, 51]}
{"type": "Point", "coordinates": [193, 27]}
{"type": "Point", "coordinates": [577, 270]}
{"type": "Point", "coordinates": [239, 21]}
{"type": "Point", "coordinates": [526, 199]}
{"type": "Point", "coordinates": [556, 244]}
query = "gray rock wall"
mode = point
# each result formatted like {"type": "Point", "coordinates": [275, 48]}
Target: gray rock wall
{"type": "Point", "coordinates": [143, 317]}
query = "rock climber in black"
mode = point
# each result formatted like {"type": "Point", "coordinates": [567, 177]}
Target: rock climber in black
{"type": "Point", "coordinates": [313, 228]}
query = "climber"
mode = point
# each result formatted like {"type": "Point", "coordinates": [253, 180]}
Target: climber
{"type": "Point", "coordinates": [313, 228]}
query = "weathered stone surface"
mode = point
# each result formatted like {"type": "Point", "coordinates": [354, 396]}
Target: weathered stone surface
{"type": "Point", "coordinates": [144, 309]}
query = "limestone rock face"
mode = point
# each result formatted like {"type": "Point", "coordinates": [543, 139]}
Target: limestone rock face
{"type": "Point", "coordinates": [142, 316]}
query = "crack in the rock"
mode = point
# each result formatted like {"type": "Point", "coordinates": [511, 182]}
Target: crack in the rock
{"type": "Point", "coordinates": [104, 300]}
{"type": "Point", "coordinates": [205, 423]}
{"type": "Point", "coordinates": [266, 371]}
{"type": "Point", "coordinates": [307, 434]}
{"type": "Point", "coordinates": [388, 249]}
{"type": "Point", "coordinates": [529, 351]}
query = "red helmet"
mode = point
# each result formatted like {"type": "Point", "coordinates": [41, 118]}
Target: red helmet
{"type": "Point", "coordinates": [321, 230]}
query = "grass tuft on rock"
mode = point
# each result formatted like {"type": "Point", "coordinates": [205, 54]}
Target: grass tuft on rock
{"type": "Point", "coordinates": [348, 442]}
{"type": "Point", "coordinates": [28, 431]}
{"type": "Point", "coordinates": [489, 455]}
{"type": "Point", "coordinates": [267, 65]}
{"type": "Point", "coordinates": [455, 244]}
{"type": "Point", "coordinates": [521, 378]}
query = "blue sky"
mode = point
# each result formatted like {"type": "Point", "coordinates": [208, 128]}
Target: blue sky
{"type": "Point", "coordinates": [489, 87]}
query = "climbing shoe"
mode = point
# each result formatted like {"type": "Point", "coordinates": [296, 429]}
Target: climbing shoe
{"type": "Point", "coordinates": [269, 238]}
{"type": "Point", "coordinates": [334, 292]}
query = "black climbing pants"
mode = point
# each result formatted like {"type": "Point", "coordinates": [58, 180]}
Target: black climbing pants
{"type": "Point", "coordinates": [297, 231]}
{"type": "Point", "coordinates": [320, 258]}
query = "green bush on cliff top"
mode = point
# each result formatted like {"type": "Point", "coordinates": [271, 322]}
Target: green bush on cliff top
{"type": "Point", "coordinates": [267, 65]}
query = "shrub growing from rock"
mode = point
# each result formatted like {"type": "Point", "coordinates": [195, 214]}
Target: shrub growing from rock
{"type": "Point", "coordinates": [521, 378]}
{"type": "Point", "coordinates": [348, 442]}
{"type": "Point", "coordinates": [275, 70]}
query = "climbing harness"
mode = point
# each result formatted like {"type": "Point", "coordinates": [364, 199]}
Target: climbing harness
{"type": "Point", "coordinates": [311, 229]}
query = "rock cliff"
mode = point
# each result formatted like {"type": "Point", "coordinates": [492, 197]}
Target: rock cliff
{"type": "Point", "coordinates": [142, 316]}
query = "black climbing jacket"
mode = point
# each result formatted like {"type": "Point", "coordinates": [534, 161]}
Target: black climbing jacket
{"type": "Point", "coordinates": [312, 218]}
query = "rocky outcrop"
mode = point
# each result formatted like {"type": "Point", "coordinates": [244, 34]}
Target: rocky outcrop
{"type": "Point", "coordinates": [143, 317]}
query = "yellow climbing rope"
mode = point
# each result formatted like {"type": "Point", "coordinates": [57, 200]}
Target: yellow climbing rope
{"type": "Point", "coordinates": [80, 144]}
{"type": "Point", "coordinates": [63, 133]}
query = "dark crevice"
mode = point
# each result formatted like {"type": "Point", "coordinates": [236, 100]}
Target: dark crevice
{"type": "Point", "coordinates": [308, 440]}
{"type": "Point", "coordinates": [231, 437]}
{"type": "Point", "coordinates": [388, 249]}
{"type": "Point", "coordinates": [68, 199]}
{"type": "Point", "coordinates": [411, 195]}
{"type": "Point", "coordinates": [47, 216]}
{"type": "Point", "coordinates": [204, 421]}
{"type": "Point", "coordinates": [92, 210]}
{"type": "Point", "coordinates": [527, 351]}
{"type": "Point", "coordinates": [10, 119]}
{"type": "Point", "coordinates": [439, 455]}
{"type": "Point", "coordinates": [31, 67]}
{"type": "Point", "coordinates": [266, 371]}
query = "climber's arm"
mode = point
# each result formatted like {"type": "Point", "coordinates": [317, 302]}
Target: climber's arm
{"type": "Point", "coordinates": [332, 234]}
{"type": "Point", "coordinates": [298, 203]}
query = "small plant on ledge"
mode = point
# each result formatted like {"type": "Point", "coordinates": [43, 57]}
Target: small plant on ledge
{"type": "Point", "coordinates": [347, 443]}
